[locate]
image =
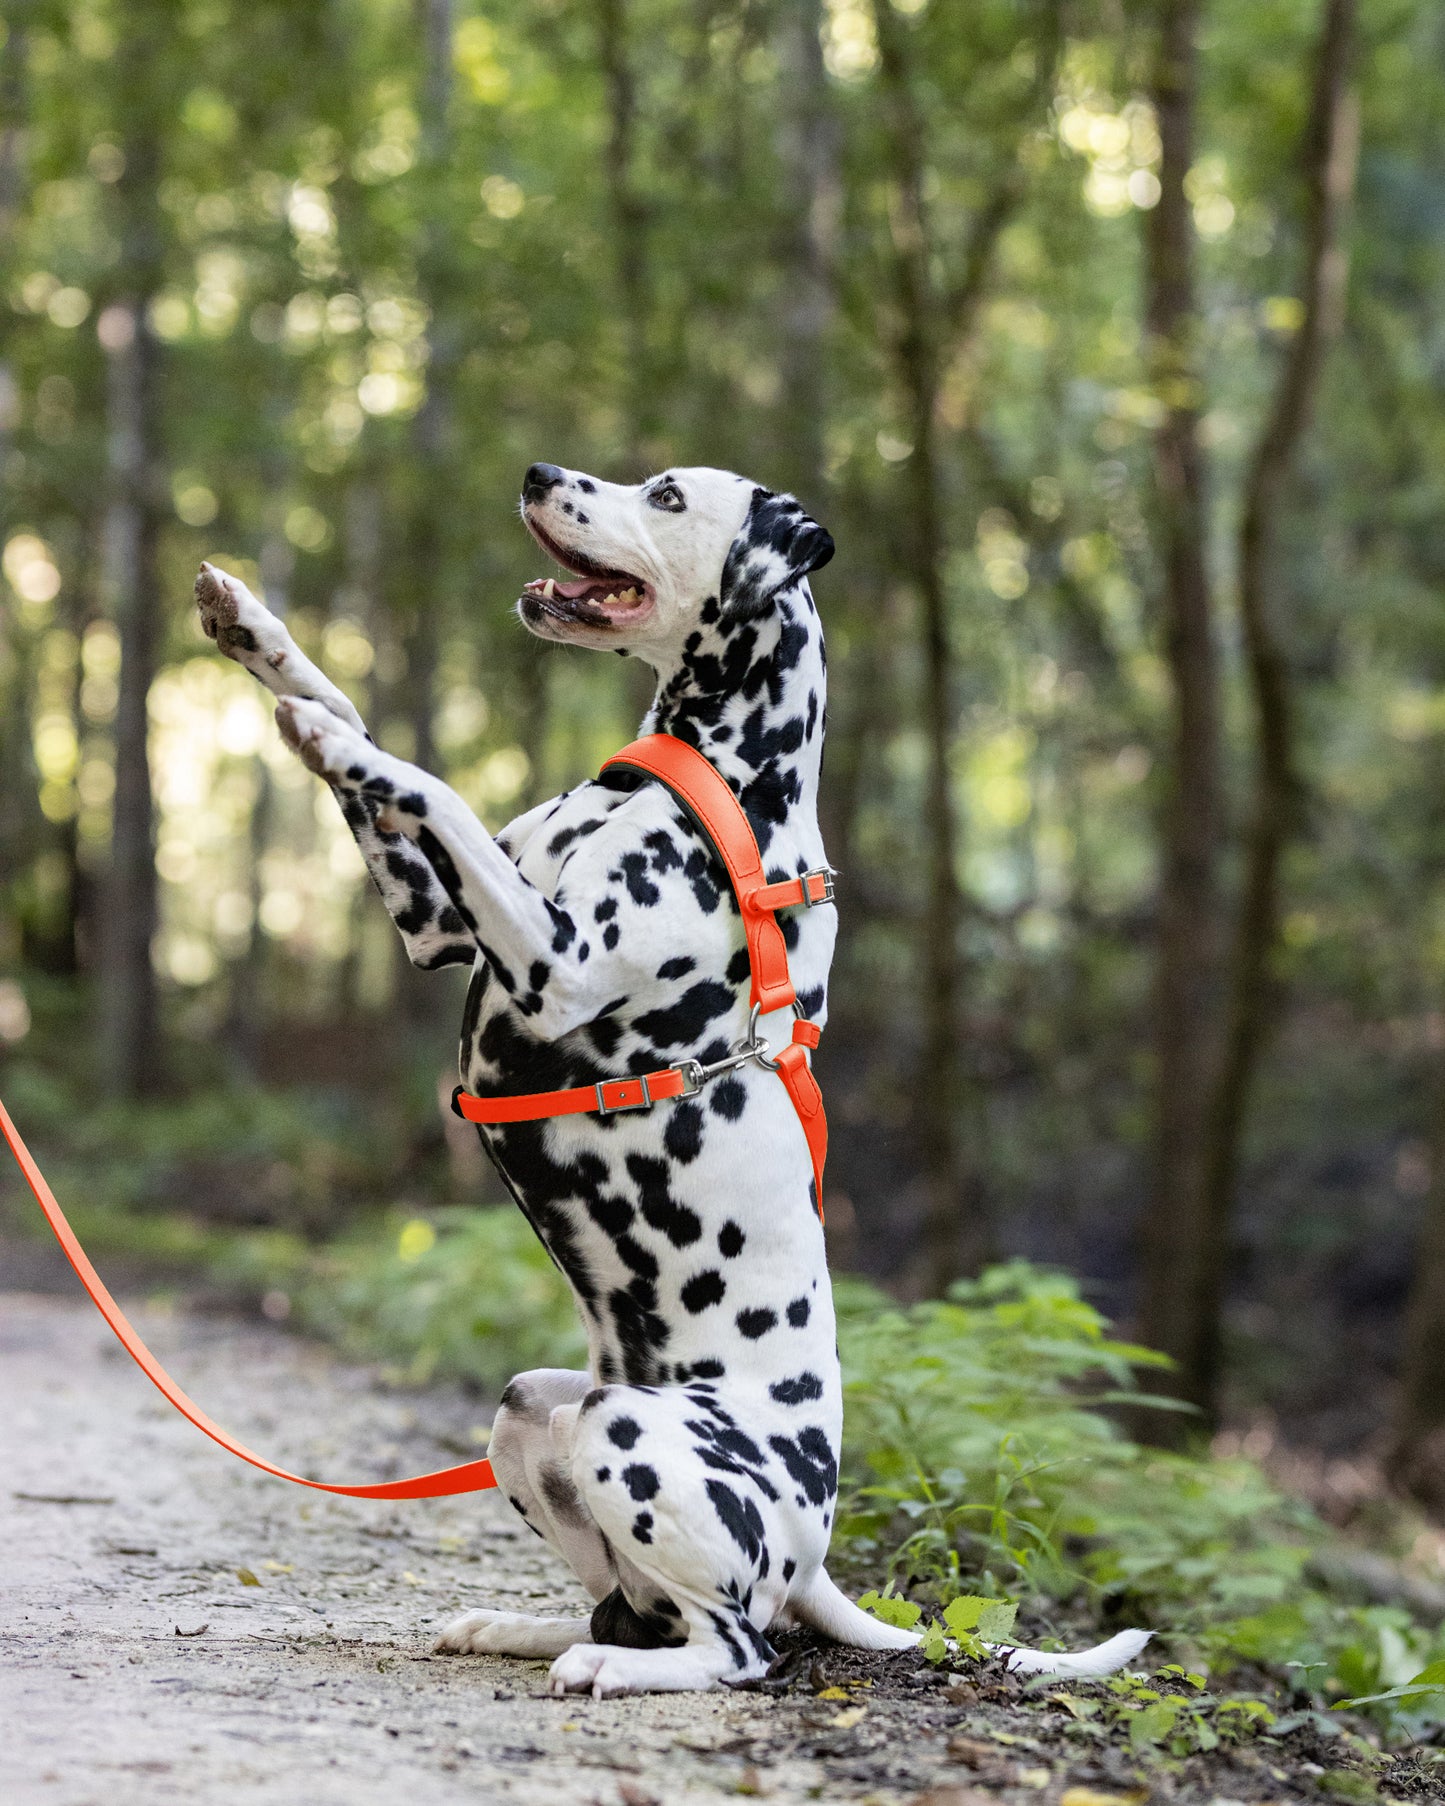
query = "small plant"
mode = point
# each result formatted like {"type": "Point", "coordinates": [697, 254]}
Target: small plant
{"type": "Point", "coordinates": [969, 1623]}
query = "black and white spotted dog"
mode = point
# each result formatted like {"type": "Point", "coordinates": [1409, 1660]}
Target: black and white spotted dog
{"type": "Point", "coordinates": [689, 1476]}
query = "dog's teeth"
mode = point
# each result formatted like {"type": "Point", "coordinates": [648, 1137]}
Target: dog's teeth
{"type": "Point", "coordinates": [549, 588]}
{"type": "Point", "coordinates": [607, 599]}
{"type": "Point", "coordinates": [629, 596]}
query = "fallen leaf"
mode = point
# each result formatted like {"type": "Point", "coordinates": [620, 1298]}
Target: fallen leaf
{"type": "Point", "coordinates": [833, 1693]}
{"type": "Point", "coordinates": [279, 1567]}
{"type": "Point", "coordinates": [973, 1751]}
{"type": "Point", "coordinates": [247, 1578]}
{"type": "Point", "coordinates": [199, 1631]}
{"type": "Point", "coordinates": [631, 1794]}
{"type": "Point", "coordinates": [961, 1694]}
{"type": "Point", "coordinates": [1034, 1777]}
{"type": "Point", "coordinates": [844, 1721]}
{"type": "Point", "coordinates": [1091, 1796]}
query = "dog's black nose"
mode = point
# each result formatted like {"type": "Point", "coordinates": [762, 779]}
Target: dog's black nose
{"type": "Point", "coordinates": [539, 479]}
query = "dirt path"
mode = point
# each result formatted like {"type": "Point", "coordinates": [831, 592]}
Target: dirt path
{"type": "Point", "coordinates": [121, 1527]}
{"type": "Point", "coordinates": [175, 1626]}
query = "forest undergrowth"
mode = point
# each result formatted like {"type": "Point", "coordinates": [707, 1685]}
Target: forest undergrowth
{"type": "Point", "coordinates": [988, 1488]}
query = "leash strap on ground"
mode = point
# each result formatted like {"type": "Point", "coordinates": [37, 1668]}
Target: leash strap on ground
{"type": "Point", "coordinates": [471, 1476]}
{"type": "Point", "coordinates": [703, 791]}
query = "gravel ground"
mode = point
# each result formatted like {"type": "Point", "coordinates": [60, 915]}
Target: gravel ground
{"type": "Point", "coordinates": [174, 1625]}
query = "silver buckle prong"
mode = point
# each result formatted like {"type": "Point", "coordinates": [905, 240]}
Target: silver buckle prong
{"type": "Point", "coordinates": [827, 874]}
{"type": "Point", "coordinates": [645, 1102]}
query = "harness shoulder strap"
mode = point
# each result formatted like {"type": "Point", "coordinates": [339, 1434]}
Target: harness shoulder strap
{"type": "Point", "coordinates": [703, 791]}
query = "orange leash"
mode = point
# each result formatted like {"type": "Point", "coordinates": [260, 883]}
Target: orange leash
{"type": "Point", "coordinates": [471, 1476]}
{"type": "Point", "coordinates": [704, 792]}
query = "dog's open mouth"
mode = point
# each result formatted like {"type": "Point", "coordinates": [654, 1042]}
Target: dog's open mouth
{"type": "Point", "coordinates": [601, 596]}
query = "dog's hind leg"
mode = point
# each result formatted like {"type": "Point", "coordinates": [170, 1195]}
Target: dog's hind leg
{"type": "Point", "coordinates": [534, 1477]}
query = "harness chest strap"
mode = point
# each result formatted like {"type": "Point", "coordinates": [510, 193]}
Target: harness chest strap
{"type": "Point", "coordinates": [705, 794]}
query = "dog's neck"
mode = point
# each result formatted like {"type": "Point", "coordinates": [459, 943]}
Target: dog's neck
{"type": "Point", "coordinates": [751, 696]}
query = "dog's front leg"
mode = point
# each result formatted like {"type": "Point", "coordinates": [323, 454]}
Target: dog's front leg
{"type": "Point", "coordinates": [246, 631]}
{"type": "Point", "coordinates": [531, 945]}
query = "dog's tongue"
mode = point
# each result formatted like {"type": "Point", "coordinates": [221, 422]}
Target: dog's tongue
{"type": "Point", "coordinates": [583, 586]}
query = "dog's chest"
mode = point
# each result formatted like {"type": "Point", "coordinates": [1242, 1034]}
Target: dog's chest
{"type": "Point", "coordinates": [685, 1229]}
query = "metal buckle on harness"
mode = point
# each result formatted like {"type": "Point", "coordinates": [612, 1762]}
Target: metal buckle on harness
{"type": "Point", "coordinates": [643, 1100]}
{"type": "Point", "coordinates": [827, 874]}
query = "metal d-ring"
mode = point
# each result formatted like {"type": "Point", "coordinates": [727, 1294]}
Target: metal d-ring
{"type": "Point", "coordinates": [755, 1047]}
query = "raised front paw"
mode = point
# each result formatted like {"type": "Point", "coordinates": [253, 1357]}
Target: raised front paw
{"type": "Point", "coordinates": [324, 744]}
{"type": "Point", "coordinates": [243, 628]}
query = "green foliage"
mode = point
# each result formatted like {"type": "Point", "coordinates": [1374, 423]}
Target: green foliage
{"type": "Point", "coordinates": [975, 1449]}
{"type": "Point", "coordinates": [465, 1294]}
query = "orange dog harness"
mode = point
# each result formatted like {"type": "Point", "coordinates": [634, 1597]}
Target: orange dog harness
{"type": "Point", "coordinates": [704, 793]}
{"type": "Point", "coordinates": [717, 811]}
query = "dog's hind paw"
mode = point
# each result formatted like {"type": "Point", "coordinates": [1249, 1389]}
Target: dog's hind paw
{"type": "Point", "coordinates": [509, 1634]}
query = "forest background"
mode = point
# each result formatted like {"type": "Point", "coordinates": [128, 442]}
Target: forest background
{"type": "Point", "coordinates": [1107, 339]}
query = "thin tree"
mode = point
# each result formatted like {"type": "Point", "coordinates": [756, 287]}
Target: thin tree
{"type": "Point", "coordinates": [1177, 1253]}
{"type": "Point", "coordinates": [933, 317]}
{"type": "Point", "coordinates": [808, 155]}
{"type": "Point", "coordinates": [1415, 1460]}
{"type": "Point", "coordinates": [1329, 157]}
{"type": "Point", "coordinates": [130, 1055]}
{"type": "Point", "coordinates": [1205, 1073]}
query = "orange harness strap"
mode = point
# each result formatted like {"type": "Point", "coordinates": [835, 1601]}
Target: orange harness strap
{"type": "Point", "coordinates": [704, 793]}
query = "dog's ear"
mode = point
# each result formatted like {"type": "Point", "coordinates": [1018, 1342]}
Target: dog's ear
{"type": "Point", "coordinates": [779, 543]}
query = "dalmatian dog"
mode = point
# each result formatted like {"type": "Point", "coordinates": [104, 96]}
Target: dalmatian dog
{"type": "Point", "coordinates": [689, 1476]}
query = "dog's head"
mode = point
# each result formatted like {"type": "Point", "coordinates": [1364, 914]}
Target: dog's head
{"type": "Point", "coordinates": [653, 560]}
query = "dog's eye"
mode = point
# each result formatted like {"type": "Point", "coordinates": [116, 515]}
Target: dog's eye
{"type": "Point", "coordinates": [669, 496]}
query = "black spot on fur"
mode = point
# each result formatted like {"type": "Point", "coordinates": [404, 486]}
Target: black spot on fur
{"type": "Point", "coordinates": [730, 1240]}
{"type": "Point", "coordinates": [739, 1516]}
{"type": "Point", "coordinates": [623, 1432]}
{"type": "Point", "coordinates": [676, 968]}
{"type": "Point", "coordinates": [640, 1480]}
{"type": "Point", "coordinates": [642, 1527]}
{"type": "Point", "coordinates": [684, 1022]}
{"type": "Point", "coordinates": [800, 1390]}
{"type": "Point", "coordinates": [798, 1312]}
{"type": "Point", "coordinates": [703, 1290]}
{"type": "Point", "coordinates": [756, 1322]}
{"type": "Point", "coordinates": [810, 1463]}
{"type": "Point", "coordinates": [683, 1135]}
{"type": "Point", "coordinates": [728, 1099]}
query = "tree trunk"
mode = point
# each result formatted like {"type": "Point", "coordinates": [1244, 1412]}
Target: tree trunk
{"type": "Point", "coordinates": [1179, 1257]}
{"type": "Point", "coordinates": [953, 1237]}
{"type": "Point", "coordinates": [629, 225]}
{"type": "Point", "coordinates": [426, 537]}
{"type": "Point", "coordinates": [130, 1055]}
{"type": "Point", "coordinates": [1416, 1459]}
{"type": "Point", "coordinates": [1329, 158]}
{"type": "Point", "coordinates": [933, 320]}
{"type": "Point", "coordinates": [808, 155]}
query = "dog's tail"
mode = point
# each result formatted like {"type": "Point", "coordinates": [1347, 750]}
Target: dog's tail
{"type": "Point", "coordinates": [823, 1608]}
